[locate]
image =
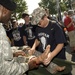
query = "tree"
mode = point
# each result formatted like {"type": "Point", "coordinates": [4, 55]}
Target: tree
{"type": "Point", "coordinates": [63, 6]}
{"type": "Point", "coordinates": [21, 7]}
{"type": "Point", "coordinates": [52, 5]}
{"type": "Point", "coordinates": [68, 4]}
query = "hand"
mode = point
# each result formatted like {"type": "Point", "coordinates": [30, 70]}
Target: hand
{"type": "Point", "coordinates": [33, 63]}
{"type": "Point", "coordinates": [16, 54]}
{"type": "Point", "coordinates": [48, 60]}
{"type": "Point", "coordinates": [31, 51]}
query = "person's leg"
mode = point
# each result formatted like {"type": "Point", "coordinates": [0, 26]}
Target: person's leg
{"type": "Point", "coordinates": [53, 68]}
{"type": "Point", "coordinates": [72, 41]}
{"type": "Point", "coordinates": [40, 58]}
{"type": "Point", "coordinates": [59, 68]}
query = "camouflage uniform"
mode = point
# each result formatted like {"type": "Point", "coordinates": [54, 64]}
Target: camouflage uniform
{"type": "Point", "coordinates": [8, 64]}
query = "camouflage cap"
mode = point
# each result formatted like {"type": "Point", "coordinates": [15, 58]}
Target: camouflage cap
{"type": "Point", "coordinates": [37, 14]}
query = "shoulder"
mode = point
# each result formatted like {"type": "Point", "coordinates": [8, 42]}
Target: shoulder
{"type": "Point", "coordinates": [53, 22]}
{"type": "Point", "coordinates": [56, 24]}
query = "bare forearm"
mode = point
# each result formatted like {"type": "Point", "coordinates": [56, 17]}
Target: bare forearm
{"type": "Point", "coordinates": [57, 50]}
{"type": "Point", "coordinates": [12, 42]}
{"type": "Point", "coordinates": [69, 24]}
{"type": "Point", "coordinates": [24, 39]}
{"type": "Point", "coordinates": [36, 43]}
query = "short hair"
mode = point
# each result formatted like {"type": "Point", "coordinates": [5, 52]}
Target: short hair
{"type": "Point", "coordinates": [70, 12]}
{"type": "Point", "coordinates": [65, 12]}
{"type": "Point", "coordinates": [24, 15]}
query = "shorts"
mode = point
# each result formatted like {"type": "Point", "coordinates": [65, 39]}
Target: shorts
{"type": "Point", "coordinates": [72, 38]}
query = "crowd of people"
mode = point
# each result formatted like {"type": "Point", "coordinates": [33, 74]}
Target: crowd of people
{"type": "Point", "coordinates": [69, 22]}
{"type": "Point", "coordinates": [44, 36]}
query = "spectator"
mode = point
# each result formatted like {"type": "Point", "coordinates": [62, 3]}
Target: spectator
{"type": "Point", "coordinates": [64, 15]}
{"type": "Point", "coordinates": [28, 29]}
{"type": "Point", "coordinates": [17, 35]}
{"type": "Point", "coordinates": [69, 23]}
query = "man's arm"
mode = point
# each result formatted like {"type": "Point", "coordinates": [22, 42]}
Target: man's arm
{"type": "Point", "coordinates": [24, 39]}
{"type": "Point", "coordinates": [36, 43]}
{"type": "Point", "coordinates": [57, 50]}
{"type": "Point", "coordinates": [8, 64]}
{"type": "Point", "coordinates": [32, 50]}
{"type": "Point", "coordinates": [52, 54]}
{"type": "Point", "coordinates": [69, 24]}
{"type": "Point", "coordinates": [12, 42]}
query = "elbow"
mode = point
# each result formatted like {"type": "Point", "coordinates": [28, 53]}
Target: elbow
{"type": "Point", "coordinates": [62, 44]}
